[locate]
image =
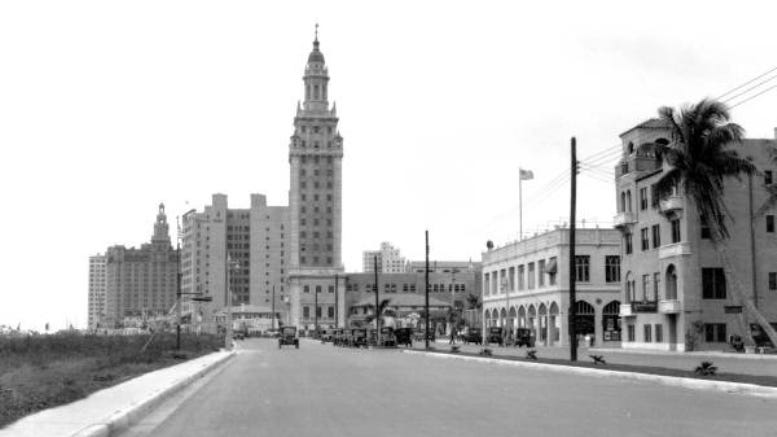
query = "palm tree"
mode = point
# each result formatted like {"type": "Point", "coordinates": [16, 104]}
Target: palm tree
{"type": "Point", "coordinates": [378, 315]}
{"type": "Point", "coordinates": [700, 159]}
{"type": "Point", "coordinates": [474, 303]}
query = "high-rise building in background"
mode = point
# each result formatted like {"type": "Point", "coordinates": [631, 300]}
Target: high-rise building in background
{"type": "Point", "coordinates": [97, 285]}
{"type": "Point", "coordinates": [141, 282]}
{"type": "Point", "coordinates": [388, 259]}
{"type": "Point", "coordinates": [255, 239]}
{"type": "Point", "coordinates": [315, 201]}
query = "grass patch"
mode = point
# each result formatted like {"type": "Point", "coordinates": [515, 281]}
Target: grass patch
{"type": "Point", "coordinates": [769, 381]}
{"type": "Point", "coordinates": [40, 372]}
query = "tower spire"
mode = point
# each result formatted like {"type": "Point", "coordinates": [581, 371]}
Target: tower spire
{"type": "Point", "coordinates": [316, 39]}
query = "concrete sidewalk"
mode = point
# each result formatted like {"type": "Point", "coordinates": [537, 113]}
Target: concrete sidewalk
{"type": "Point", "coordinates": [743, 364]}
{"type": "Point", "coordinates": [113, 409]}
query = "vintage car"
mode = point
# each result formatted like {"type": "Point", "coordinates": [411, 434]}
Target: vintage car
{"type": "Point", "coordinates": [288, 337]}
{"type": "Point", "coordinates": [495, 335]}
{"type": "Point", "coordinates": [357, 337]}
{"type": "Point", "coordinates": [337, 336]}
{"type": "Point", "coordinates": [404, 337]}
{"type": "Point", "coordinates": [326, 335]}
{"type": "Point", "coordinates": [474, 335]}
{"type": "Point", "coordinates": [387, 337]}
{"type": "Point", "coordinates": [524, 337]}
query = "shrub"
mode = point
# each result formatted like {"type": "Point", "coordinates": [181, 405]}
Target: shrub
{"type": "Point", "coordinates": [706, 369]}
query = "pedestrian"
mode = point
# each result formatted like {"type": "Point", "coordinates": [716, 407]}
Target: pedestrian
{"type": "Point", "coordinates": [453, 335]}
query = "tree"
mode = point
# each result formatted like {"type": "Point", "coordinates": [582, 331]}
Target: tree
{"type": "Point", "coordinates": [382, 312]}
{"type": "Point", "coordinates": [701, 157]}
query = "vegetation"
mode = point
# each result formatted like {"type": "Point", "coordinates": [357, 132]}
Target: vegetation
{"type": "Point", "coordinates": [42, 371]}
{"type": "Point", "coordinates": [702, 155]}
{"type": "Point", "coordinates": [706, 369]}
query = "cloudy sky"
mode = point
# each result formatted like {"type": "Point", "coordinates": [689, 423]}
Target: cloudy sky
{"type": "Point", "coordinates": [108, 108]}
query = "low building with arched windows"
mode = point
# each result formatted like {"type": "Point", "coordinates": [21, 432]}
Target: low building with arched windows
{"type": "Point", "coordinates": [526, 285]}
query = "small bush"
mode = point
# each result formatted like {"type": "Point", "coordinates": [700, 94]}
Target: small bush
{"type": "Point", "coordinates": [486, 352]}
{"type": "Point", "coordinates": [531, 354]}
{"type": "Point", "coordinates": [706, 369]}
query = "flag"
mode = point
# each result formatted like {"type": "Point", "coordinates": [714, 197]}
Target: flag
{"type": "Point", "coordinates": [526, 174]}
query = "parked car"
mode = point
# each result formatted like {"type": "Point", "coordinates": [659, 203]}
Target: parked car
{"type": "Point", "coordinates": [387, 337]}
{"type": "Point", "coordinates": [404, 336]}
{"type": "Point", "coordinates": [357, 337]}
{"type": "Point", "coordinates": [524, 337]}
{"type": "Point", "coordinates": [495, 335]}
{"type": "Point", "coordinates": [326, 335]}
{"type": "Point", "coordinates": [473, 335]}
{"type": "Point", "coordinates": [288, 337]}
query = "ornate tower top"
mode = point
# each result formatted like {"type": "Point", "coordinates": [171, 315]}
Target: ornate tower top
{"type": "Point", "coordinates": [316, 80]}
{"type": "Point", "coordinates": [161, 228]}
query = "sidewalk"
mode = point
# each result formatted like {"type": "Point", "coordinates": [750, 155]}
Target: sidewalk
{"type": "Point", "coordinates": [107, 411]}
{"type": "Point", "coordinates": [743, 364]}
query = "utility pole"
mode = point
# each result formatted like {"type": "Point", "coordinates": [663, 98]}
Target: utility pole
{"type": "Point", "coordinates": [178, 287]}
{"type": "Point", "coordinates": [315, 310]}
{"type": "Point", "coordinates": [377, 302]}
{"type": "Point", "coordinates": [337, 291]}
{"type": "Point", "coordinates": [426, 283]}
{"type": "Point", "coordinates": [272, 319]}
{"type": "Point", "coordinates": [572, 273]}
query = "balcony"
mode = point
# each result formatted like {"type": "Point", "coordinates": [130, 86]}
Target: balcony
{"type": "Point", "coordinates": [674, 250]}
{"type": "Point", "coordinates": [671, 205]}
{"type": "Point", "coordinates": [626, 311]}
{"type": "Point", "coordinates": [644, 307]}
{"type": "Point", "coordinates": [623, 219]}
{"type": "Point", "coordinates": [669, 306]}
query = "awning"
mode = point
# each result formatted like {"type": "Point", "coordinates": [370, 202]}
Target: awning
{"type": "Point", "coordinates": [552, 267]}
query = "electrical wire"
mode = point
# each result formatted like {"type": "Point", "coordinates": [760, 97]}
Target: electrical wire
{"type": "Point", "coordinates": [754, 96]}
{"type": "Point", "coordinates": [745, 84]}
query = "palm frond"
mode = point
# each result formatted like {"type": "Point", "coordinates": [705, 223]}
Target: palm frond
{"type": "Point", "coordinates": [770, 202]}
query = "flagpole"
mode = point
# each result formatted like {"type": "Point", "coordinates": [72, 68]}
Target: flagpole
{"type": "Point", "coordinates": [520, 205]}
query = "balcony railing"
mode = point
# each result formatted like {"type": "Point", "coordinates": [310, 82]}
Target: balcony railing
{"type": "Point", "coordinates": [623, 219]}
{"type": "Point", "coordinates": [669, 306]}
{"type": "Point", "coordinates": [674, 249]}
{"type": "Point", "coordinates": [644, 307]}
{"type": "Point", "coordinates": [671, 204]}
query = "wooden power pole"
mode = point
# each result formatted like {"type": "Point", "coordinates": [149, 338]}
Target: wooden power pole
{"type": "Point", "coordinates": [572, 273]}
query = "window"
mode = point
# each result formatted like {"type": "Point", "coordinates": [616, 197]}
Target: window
{"type": "Point", "coordinates": [531, 277]}
{"type": "Point", "coordinates": [318, 311]}
{"type": "Point", "coordinates": [772, 281]}
{"type": "Point", "coordinates": [628, 243]}
{"type": "Point", "coordinates": [306, 289]}
{"type": "Point", "coordinates": [331, 312]}
{"type": "Point", "coordinates": [676, 237]}
{"type": "Point", "coordinates": [645, 290]}
{"type": "Point", "coordinates": [768, 177]}
{"type": "Point", "coordinates": [331, 288]}
{"type": "Point", "coordinates": [770, 223]}
{"type": "Point", "coordinates": [713, 282]}
{"type": "Point", "coordinates": [521, 284]}
{"type": "Point", "coordinates": [715, 332]}
{"type": "Point", "coordinates": [612, 268]}
{"type": "Point", "coordinates": [644, 237]}
{"type": "Point", "coordinates": [486, 284]}
{"type": "Point", "coordinates": [643, 198]}
{"type": "Point", "coordinates": [582, 268]}
{"type": "Point", "coordinates": [306, 312]}
{"type": "Point", "coordinates": [541, 270]}
{"type": "Point", "coordinates": [511, 279]}
{"type": "Point", "coordinates": [659, 328]}
{"type": "Point", "coordinates": [630, 333]}
{"type": "Point", "coordinates": [656, 285]}
{"type": "Point", "coordinates": [647, 331]}
{"type": "Point", "coordinates": [552, 270]}
{"type": "Point", "coordinates": [656, 236]}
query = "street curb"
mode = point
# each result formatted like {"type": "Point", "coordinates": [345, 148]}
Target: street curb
{"type": "Point", "coordinates": [674, 381]}
{"type": "Point", "coordinates": [123, 419]}
{"type": "Point", "coordinates": [697, 354]}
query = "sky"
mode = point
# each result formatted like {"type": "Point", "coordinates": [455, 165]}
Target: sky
{"type": "Point", "coordinates": [109, 108]}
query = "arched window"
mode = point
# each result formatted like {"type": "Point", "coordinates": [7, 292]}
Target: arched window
{"type": "Point", "coordinates": [315, 92]}
{"type": "Point", "coordinates": [584, 308]}
{"type": "Point", "coordinates": [628, 200]}
{"type": "Point", "coordinates": [671, 282]}
{"type": "Point", "coordinates": [612, 309]}
{"type": "Point", "coordinates": [307, 92]}
{"type": "Point", "coordinates": [631, 148]}
{"type": "Point", "coordinates": [629, 287]}
{"type": "Point", "coordinates": [623, 201]}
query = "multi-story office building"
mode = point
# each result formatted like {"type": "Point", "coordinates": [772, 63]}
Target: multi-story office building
{"type": "Point", "coordinates": [315, 195]}
{"type": "Point", "coordinates": [97, 285]}
{"type": "Point", "coordinates": [255, 239]}
{"type": "Point", "coordinates": [388, 259]}
{"type": "Point", "coordinates": [675, 291]}
{"type": "Point", "coordinates": [526, 285]}
{"type": "Point", "coordinates": [141, 282]}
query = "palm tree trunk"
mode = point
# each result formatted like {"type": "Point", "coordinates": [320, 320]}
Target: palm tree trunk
{"type": "Point", "coordinates": [746, 301]}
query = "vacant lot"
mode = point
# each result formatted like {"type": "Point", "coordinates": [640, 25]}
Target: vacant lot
{"type": "Point", "coordinates": [43, 371]}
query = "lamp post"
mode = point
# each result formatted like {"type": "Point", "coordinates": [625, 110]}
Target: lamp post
{"type": "Point", "coordinates": [454, 310]}
{"type": "Point", "coordinates": [315, 310]}
{"type": "Point", "coordinates": [337, 323]}
{"type": "Point", "coordinates": [230, 265]}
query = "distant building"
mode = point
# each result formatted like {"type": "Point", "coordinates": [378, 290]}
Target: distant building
{"type": "Point", "coordinates": [97, 291]}
{"type": "Point", "coordinates": [141, 282]}
{"type": "Point", "coordinates": [388, 259]}
{"type": "Point", "coordinates": [526, 285]}
{"type": "Point", "coordinates": [254, 238]}
{"type": "Point", "coordinates": [675, 291]}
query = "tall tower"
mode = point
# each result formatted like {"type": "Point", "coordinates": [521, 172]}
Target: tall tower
{"type": "Point", "coordinates": [315, 201]}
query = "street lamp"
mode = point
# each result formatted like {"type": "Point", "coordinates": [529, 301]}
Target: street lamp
{"type": "Point", "coordinates": [230, 265]}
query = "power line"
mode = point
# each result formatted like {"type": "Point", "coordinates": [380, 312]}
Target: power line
{"type": "Point", "coordinates": [750, 89]}
{"type": "Point", "coordinates": [745, 84]}
{"type": "Point", "coordinates": [753, 96]}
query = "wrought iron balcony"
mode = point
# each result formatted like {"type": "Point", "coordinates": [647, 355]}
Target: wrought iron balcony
{"type": "Point", "coordinates": [669, 306]}
{"type": "Point", "coordinates": [644, 307]}
{"type": "Point", "coordinates": [622, 219]}
{"type": "Point", "coordinates": [672, 204]}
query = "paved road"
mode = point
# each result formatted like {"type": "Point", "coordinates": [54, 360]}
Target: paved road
{"type": "Point", "coordinates": [320, 390]}
{"type": "Point", "coordinates": [726, 363]}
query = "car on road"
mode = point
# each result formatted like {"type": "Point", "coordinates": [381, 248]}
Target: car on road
{"type": "Point", "coordinates": [494, 335]}
{"type": "Point", "coordinates": [288, 337]}
{"type": "Point", "coordinates": [357, 337]}
{"type": "Point", "coordinates": [404, 337]}
{"type": "Point", "coordinates": [524, 337]}
{"type": "Point", "coordinates": [387, 337]}
{"type": "Point", "coordinates": [473, 335]}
